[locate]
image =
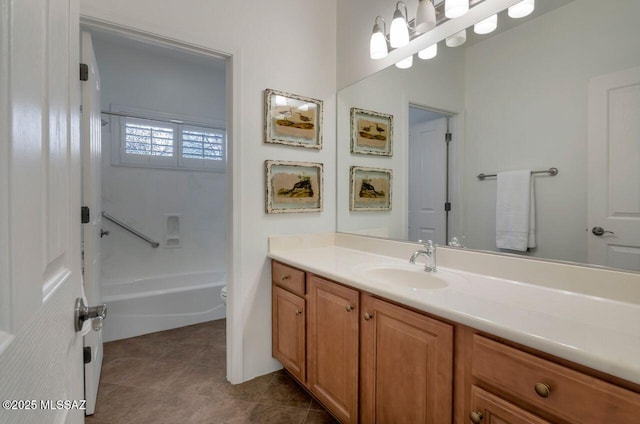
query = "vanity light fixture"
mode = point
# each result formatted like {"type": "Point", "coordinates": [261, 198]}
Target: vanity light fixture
{"type": "Point", "coordinates": [429, 53]}
{"type": "Point", "coordinates": [487, 25]}
{"type": "Point", "coordinates": [378, 44]}
{"type": "Point", "coordinates": [457, 39]}
{"type": "Point", "coordinates": [425, 16]}
{"type": "Point", "coordinates": [399, 31]}
{"type": "Point", "coordinates": [522, 9]}
{"type": "Point", "coordinates": [455, 8]}
{"type": "Point", "coordinates": [405, 63]}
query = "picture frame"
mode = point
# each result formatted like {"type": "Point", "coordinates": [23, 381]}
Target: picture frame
{"type": "Point", "coordinates": [371, 132]}
{"type": "Point", "coordinates": [293, 187]}
{"type": "Point", "coordinates": [370, 189]}
{"type": "Point", "coordinates": [292, 120]}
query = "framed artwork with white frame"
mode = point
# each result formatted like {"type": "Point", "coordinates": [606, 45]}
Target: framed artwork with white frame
{"type": "Point", "coordinates": [370, 189]}
{"type": "Point", "coordinates": [292, 120]}
{"type": "Point", "coordinates": [293, 186]}
{"type": "Point", "coordinates": [371, 132]}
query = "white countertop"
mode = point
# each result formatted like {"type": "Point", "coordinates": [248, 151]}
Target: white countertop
{"type": "Point", "coordinates": [600, 333]}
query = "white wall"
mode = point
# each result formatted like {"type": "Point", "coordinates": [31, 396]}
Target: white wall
{"type": "Point", "coordinates": [276, 44]}
{"type": "Point", "coordinates": [526, 94]}
{"type": "Point", "coordinates": [152, 78]}
{"type": "Point", "coordinates": [438, 84]}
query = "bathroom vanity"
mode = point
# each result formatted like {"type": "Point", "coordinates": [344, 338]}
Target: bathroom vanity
{"type": "Point", "coordinates": [376, 339]}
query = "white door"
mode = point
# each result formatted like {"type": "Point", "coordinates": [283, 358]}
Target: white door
{"type": "Point", "coordinates": [427, 177]}
{"type": "Point", "coordinates": [92, 198]}
{"type": "Point", "coordinates": [40, 351]}
{"type": "Point", "coordinates": [614, 170]}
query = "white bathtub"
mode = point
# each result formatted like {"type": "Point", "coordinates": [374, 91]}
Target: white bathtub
{"type": "Point", "coordinates": [144, 306]}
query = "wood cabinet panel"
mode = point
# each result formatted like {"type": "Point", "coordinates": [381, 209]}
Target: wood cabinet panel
{"type": "Point", "coordinates": [288, 277]}
{"type": "Point", "coordinates": [332, 347]}
{"type": "Point", "coordinates": [494, 410]}
{"type": "Point", "coordinates": [573, 396]}
{"type": "Point", "coordinates": [288, 331]}
{"type": "Point", "coordinates": [406, 366]}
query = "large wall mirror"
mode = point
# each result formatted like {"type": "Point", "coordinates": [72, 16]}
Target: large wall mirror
{"type": "Point", "coordinates": [559, 89]}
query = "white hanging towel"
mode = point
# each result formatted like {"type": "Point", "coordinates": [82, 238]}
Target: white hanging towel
{"type": "Point", "coordinates": [515, 211]}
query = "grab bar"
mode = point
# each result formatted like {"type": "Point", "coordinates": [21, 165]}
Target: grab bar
{"type": "Point", "coordinates": [152, 242]}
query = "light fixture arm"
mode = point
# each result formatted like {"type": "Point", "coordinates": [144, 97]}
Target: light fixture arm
{"type": "Point", "coordinates": [406, 15]}
{"type": "Point", "coordinates": [376, 27]}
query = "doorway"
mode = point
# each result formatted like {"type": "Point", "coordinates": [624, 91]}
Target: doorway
{"type": "Point", "coordinates": [429, 204]}
{"type": "Point", "coordinates": [165, 110]}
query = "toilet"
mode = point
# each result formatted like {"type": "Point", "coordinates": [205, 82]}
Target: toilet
{"type": "Point", "coordinates": [223, 295]}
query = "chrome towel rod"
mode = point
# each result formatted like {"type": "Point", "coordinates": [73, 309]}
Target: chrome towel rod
{"type": "Point", "coordinates": [551, 171]}
{"type": "Point", "coordinates": [152, 242]}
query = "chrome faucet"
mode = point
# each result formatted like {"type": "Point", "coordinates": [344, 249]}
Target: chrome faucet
{"type": "Point", "coordinates": [430, 252]}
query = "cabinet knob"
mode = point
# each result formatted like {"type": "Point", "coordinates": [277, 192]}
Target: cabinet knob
{"type": "Point", "coordinates": [543, 390]}
{"type": "Point", "coordinates": [285, 278]}
{"type": "Point", "coordinates": [298, 311]}
{"type": "Point", "coordinates": [476, 417]}
{"type": "Point", "coordinates": [349, 308]}
{"type": "Point", "coordinates": [367, 316]}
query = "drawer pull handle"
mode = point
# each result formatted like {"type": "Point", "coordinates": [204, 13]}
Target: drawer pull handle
{"type": "Point", "coordinates": [476, 417]}
{"type": "Point", "coordinates": [349, 308]}
{"type": "Point", "coordinates": [543, 390]}
{"type": "Point", "coordinates": [298, 311]}
{"type": "Point", "coordinates": [285, 278]}
{"type": "Point", "coordinates": [367, 316]}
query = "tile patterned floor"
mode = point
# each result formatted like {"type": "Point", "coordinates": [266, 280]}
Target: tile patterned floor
{"type": "Point", "coordinates": [178, 377]}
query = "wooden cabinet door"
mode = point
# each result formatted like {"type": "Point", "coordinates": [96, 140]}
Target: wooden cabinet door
{"type": "Point", "coordinates": [490, 409]}
{"type": "Point", "coordinates": [406, 366]}
{"type": "Point", "coordinates": [333, 347]}
{"type": "Point", "coordinates": [288, 326]}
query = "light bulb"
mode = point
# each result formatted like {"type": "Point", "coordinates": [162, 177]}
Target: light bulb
{"type": "Point", "coordinates": [429, 53]}
{"type": "Point", "coordinates": [425, 16]}
{"type": "Point", "coordinates": [455, 8]}
{"type": "Point", "coordinates": [522, 9]}
{"type": "Point", "coordinates": [487, 25]}
{"type": "Point", "coordinates": [399, 32]}
{"type": "Point", "coordinates": [457, 39]}
{"type": "Point", "coordinates": [405, 63]}
{"type": "Point", "coordinates": [378, 44]}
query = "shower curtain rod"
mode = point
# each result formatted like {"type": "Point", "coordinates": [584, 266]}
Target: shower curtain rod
{"type": "Point", "coordinates": [166, 121]}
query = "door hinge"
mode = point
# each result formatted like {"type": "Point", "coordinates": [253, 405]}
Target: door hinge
{"type": "Point", "coordinates": [447, 206]}
{"type": "Point", "coordinates": [85, 215]}
{"type": "Point", "coordinates": [86, 353]}
{"type": "Point", "coordinates": [447, 137]}
{"type": "Point", "coordinates": [84, 72]}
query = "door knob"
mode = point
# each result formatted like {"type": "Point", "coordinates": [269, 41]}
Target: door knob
{"type": "Point", "coordinates": [104, 233]}
{"type": "Point", "coordinates": [598, 231]}
{"type": "Point", "coordinates": [84, 312]}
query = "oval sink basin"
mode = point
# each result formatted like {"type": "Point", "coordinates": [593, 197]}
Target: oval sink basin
{"type": "Point", "coordinates": [413, 277]}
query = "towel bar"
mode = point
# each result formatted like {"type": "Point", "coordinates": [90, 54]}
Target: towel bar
{"type": "Point", "coordinates": [551, 171]}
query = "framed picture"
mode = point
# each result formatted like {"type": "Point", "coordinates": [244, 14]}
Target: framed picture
{"type": "Point", "coordinates": [371, 132]}
{"type": "Point", "coordinates": [293, 186]}
{"type": "Point", "coordinates": [370, 189]}
{"type": "Point", "coordinates": [293, 120]}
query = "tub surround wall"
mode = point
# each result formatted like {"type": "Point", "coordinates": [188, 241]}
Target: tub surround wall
{"type": "Point", "coordinates": [276, 44]}
{"type": "Point", "coordinates": [151, 78]}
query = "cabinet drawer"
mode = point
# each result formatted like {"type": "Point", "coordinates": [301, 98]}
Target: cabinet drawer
{"type": "Point", "coordinates": [489, 409]}
{"type": "Point", "coordinates": [573, 396]}
{"type": "Point", "coordinates": [287, 277]}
